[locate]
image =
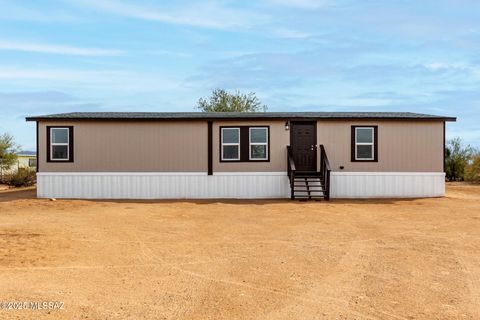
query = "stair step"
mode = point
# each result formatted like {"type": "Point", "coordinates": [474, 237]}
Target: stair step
{"type": "Point", "coordinates": [319, 194]}
{"type": "Point", "coordinates": [310, 186]}
{"type": "Point", "coordinates": [307, 197]}
{"type": "Point", "coordinates": [314, 177]}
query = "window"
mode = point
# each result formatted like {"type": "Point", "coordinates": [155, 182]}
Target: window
{"type": "Point", "coordinates": [364, 143]}
{"type": "Point", "coordinates": [59, 144]}
{"type": "Point", "coordinates": [244, 144]}
{"type": "Point", "coordinates": [230, 144]}
{"type": "Point", "coordinates": [258, 143]}
{"type": "Point", "coordinates": [32, 163]}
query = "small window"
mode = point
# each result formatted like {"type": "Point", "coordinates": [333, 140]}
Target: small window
{"type": "Point", "coordinates": [230, 144]}
{"type": "Point", "coordinates": [258, 143]}
{"type": "Point", "coordinates": [60, 144]}
{"type": "Point", "coordinates": [364, 144]}
{"type": "Point", "coordinates": [32, 163]}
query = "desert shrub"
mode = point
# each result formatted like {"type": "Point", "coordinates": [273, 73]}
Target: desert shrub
{"type": "Point", "coordinates": [472, 171]}
{"type": "Point", "coordinates": [22, 178]}
{"type": "Point", "coordinates": [457, 158]}
{"type": "Point", "coordinates": [8, 150]}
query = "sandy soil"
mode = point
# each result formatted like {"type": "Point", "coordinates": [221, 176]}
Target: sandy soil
{"type": "Point", "coordinates": [405, 259]}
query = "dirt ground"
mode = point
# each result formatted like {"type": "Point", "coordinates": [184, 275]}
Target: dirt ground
{"type": "Point", "coordinates": [382, 259]}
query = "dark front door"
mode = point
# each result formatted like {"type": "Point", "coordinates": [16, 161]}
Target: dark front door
{"type": "Point", "coordinates": [303, 140]}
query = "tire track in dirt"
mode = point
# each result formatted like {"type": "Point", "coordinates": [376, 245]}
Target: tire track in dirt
{"type": "Point", "coordinates": [264, 289]}
{"type": "Point", "coordinates": [275, 291]}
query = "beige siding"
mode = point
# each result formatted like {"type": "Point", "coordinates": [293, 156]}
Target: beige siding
{"type": "Point", "coordinates": [143, 146]}
{"type": "Point", "coordinates": [182, 146]}
{"type": "Point", "coordinates": [279, 139]}
{"type": "Point", "coordinates": [403, 146]}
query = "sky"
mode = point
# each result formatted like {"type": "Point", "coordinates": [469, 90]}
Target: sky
{"type": "Point", "coordinates": [296, 55]}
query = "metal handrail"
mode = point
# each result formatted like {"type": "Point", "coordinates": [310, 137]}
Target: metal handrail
{"type": "Point", "coordinates": [325, 170]}
{"type": "Point", "coordinates": [291, 169]}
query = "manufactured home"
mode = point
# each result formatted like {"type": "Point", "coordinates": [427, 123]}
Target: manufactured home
{"type": "Point", "coordinates": [26, 160]}
{"type": "Point", "coordinates": [194, 155]}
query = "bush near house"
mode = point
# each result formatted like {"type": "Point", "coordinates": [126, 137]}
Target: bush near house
{"type": "Point", "coordinates": [22, 178]}
{"type": "Point", "coordinates": [457, 159]}
{"type": "Point", "coordinates": [8, 157]}
{"type": "Point", "coordinates": [472, 171]}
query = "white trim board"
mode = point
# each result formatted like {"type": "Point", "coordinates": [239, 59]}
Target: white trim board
{"type": "Point", "coordinates": [239, 173]}
{"type": "Point", "coordinates": [342, 173]}
{"type": "Point", "coordinates": [121, 174]}
{"type": "Point", "coordinates": [250, 173]}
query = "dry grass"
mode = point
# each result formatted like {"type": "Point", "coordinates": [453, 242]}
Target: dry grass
{"type": "Point", "coordinates": [403, 259]}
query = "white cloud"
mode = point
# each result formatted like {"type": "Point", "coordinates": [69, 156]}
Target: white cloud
{"type": "Point", "coordinates": [473, 70]}
{"type": "Point", "coordinates": [95, 79]}
{"type": "Point", "coordinates": [56, 49]}
{"type": "Point", "coordinates": [436, 66]}
{"type": "Point", "coordinates": [163, 52]}
{"type": "Point", "coordinates": [290, 34]}
{"type": "Point", "coordinates": [19, 10]}
{"type": "Point", "coordinates": [206, 14]}
{"type": "Point", "coordinates": [305, 4]}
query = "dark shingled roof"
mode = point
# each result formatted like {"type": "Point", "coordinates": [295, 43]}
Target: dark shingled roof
{"type": "Point", "coordinates": [238, 116]}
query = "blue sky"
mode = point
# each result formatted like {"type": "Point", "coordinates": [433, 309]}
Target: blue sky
{"type": "Point", "coordinates": [297, 55]}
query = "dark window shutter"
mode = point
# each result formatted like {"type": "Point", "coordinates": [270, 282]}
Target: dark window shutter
{"type": "Point", "coordinates": [244, 144]}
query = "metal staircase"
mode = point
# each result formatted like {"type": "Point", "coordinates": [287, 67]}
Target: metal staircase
{"type": "Point", "coordinates": [309, 185]}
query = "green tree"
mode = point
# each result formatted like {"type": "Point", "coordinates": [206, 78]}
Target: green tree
{"type": "Point", "coordinates": [457, 159]}
{"type": "Point", "coordinates": [222, 101]}
{"type": "Point", "coordinates": [8, 150]}
{"type": "Point", "coordinates": [472, 172]}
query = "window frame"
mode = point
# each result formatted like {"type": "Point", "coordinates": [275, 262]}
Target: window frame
{"type": "Point", "coordinates": [222, 144]}
{"type": "Point", "coordinates": [374, 144]}
{"type": "Point", "coordinates": [250, 144]}
{"type": "Point", "coordinates": [51, 144]}
{"type": "Point", "coordinates": [244, 144]}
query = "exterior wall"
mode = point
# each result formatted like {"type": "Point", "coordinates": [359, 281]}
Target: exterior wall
{"type": "Point", "coordinates": [279, 140]}
{"type": "Point", "coordinates": [129, 146]}
{"type": "Point", "coordinates": [403, 146]}
{"type": "Point", "coordinates": [169, 160]}
{"type": "Point", "coordinates": [21, 163]}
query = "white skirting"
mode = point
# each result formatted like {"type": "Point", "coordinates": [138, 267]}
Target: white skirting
{"type": "Point", "coordinates": [163, 185]}
{"type": "Point", "coordinates": [387, 184]}
{"type": "Point", "coordinates": [231, 185]}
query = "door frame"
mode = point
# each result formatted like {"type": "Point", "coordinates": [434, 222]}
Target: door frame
{"type": "Point", "coordinates": [292, 123]}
